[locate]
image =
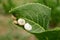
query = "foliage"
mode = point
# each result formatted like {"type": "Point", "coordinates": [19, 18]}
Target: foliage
{"type": "Point", "coordinates": [40, 14]}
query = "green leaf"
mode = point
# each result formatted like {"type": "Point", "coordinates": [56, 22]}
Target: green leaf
{"type": "Point", "coordinates": [35, 12]}
{"type": "Point", "coordinates": [49, 35]}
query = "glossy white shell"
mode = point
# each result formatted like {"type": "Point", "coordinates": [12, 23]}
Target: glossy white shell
{"type": "Point", "coordinates": [21, 21]}
{"type": "Point", "coordinates": [28, 27]}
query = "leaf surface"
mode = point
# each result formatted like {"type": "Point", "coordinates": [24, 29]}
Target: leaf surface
{"type": "Point", "coordinates": [35, 13]}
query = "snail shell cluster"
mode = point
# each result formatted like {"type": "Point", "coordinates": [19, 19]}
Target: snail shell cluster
{"type": "Point", "coordinates": [27, 26]}
{"type": "Point", "coordinates": [21, 21]}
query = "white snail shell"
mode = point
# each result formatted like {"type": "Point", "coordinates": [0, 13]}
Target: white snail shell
{"type": "Point", "coordinates": [28, 27]}
{"type": "Point", "coordinates": [21, 21]}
